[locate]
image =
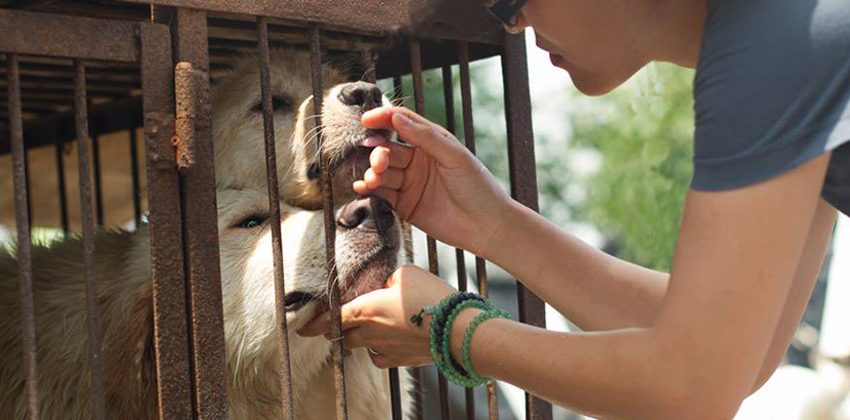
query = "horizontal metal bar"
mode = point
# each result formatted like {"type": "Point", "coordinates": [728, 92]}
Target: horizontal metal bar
{"type": "Point", "coordinates": [456, 20]}
{"type": "Point", "coordinates": [75, 37]}
{"type": "Point", "coordinates": [104, 118]}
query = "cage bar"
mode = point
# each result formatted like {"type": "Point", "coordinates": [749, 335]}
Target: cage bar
{"type": "Point", "coordinates": [330, 228]}
{"type": "Point", "coordinates": [58, 36]}
{"type": "Point", "coordinates": [523, 177]}
{"type": "Point", "coordinates": [24, 251]}
{"type": "Point", "coordinates": [369, 75]}
{"type": "Point", "coordinates": [433, 262]}
{"type": "Point", "coordinates": [469, 140]}
{"type": "Point", "coordinates": [460, 258]}
{"type": "Point", "coordinates": [98, 181]}
{"type": "Point", "coordinates": [193, 127]}
{"type": "Point", "coordinates": [171, 339]}
{"type": "Point", "coordinates": [93, 317]}
{"type": "Point", "coordinates": [59, 151]}
{"type": "Point", "coordinates": [274, 207]}
{"type": "Point", "coordinates": [134, 173]}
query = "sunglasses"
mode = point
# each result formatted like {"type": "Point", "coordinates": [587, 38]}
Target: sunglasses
{"type": "Point", "coordinates": [505, 11]}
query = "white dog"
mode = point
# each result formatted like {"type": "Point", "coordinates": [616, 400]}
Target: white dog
{"type": "Point", "coordinates": [371, 243]}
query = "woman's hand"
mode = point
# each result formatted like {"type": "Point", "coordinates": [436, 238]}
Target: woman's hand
{"type": "Point", "coordinates": [380, 320]}
{"type": "Point", "coordinates": [437, 184]}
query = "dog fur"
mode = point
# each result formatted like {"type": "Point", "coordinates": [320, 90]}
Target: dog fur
{"type": "Point", "coordinates": [366, 253]}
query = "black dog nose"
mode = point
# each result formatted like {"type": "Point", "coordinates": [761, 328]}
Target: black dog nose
{"type": "Point", "coordinates": [365, 95]}
{"type": "Point", "coordinates": [368, 213]}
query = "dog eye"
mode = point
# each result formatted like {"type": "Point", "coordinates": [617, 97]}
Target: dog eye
{"type": "Point", "coordinates": [279, 103]}
{"type": "Point", "coordinates": [253, 221]}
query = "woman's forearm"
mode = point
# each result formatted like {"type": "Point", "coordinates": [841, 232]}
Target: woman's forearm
{"type": "Point", "coordinates": [614, 374]}
{"type": "Point", "coordinates": [591, 288]}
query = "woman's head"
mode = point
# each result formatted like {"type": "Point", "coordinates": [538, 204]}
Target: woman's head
{"type": "Point", "coordinates": [602, 43]}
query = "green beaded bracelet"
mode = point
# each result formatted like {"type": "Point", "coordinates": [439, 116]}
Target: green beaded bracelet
{"type": "Point", "coordinates": [443, 315]}
{"type": "Point", "coordinates": [449, 367]}
{"type": "Point", "coordinates": [467, 339]}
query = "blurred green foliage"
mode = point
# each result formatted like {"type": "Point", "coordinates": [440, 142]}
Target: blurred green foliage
{"type": "Point", "coordinates": [643, 133]}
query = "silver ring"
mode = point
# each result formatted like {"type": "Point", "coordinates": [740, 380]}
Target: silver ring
{"type": "Point", "coordinates": [372, 351]}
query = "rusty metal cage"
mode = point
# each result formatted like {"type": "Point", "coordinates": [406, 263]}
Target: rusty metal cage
{"type": "Point", "coordinates": [76, 71]}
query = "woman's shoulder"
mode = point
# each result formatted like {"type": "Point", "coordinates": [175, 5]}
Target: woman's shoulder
{"type": "Point", "coordinates": [772, 88]}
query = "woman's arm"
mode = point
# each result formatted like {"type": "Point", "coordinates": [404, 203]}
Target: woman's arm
{"type": "Point", "coordinates": [732, 274]}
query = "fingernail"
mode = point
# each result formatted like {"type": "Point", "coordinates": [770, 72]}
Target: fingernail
{"type": "Point", "coordinates": [404, 119]}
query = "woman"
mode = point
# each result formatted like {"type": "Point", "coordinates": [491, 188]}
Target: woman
{"type": "Point", "coordinates": [771, 165]}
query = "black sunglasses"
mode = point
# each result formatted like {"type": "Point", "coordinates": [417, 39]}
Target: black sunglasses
{"type": "Point", "coordinates": [505, 10]}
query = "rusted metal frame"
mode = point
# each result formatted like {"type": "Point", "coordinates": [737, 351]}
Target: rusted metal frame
{"type": "Point", "coordinates": [523, 179]}
{"type": "Point", "coordinates": [84, 145]}
{"type": "Point", "coordinates": [193, 128]}
{"type": "Point", "coordinates": [416, 372]}
{"type": "Point", "coordinates": [134, 173]}
{"type": "Point", "coordinates": [330, 228]}
{"type": "Point", "coordinates": [98, 181]}
{"type": "Point", "coordinates": [395, 385]}
{"type": "Point", "coordinates": [287, 407]}
{"type": "Point", "coordinates": [119, 115]}
{"type": "Point", "coordinates": [469, 140]}
{"type": "Point", "coordinates": [461, 20]}
{"type": "Point", "coordinates": [433, 263]}
{"type": "Point", "coordinates": [368, 57]}
{"type": "Point", "coordinates": [59, 152]}
{"type": "Point", "coordinates": [460, 259]}
{"type": "Point", "coordinates": [171, 339]}
{"type": "Point", "coordinates": [67, 36]}
{"type": "Point", "coordinates": [24, 251]}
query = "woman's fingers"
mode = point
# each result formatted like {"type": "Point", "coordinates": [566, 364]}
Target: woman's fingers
{"type": "Point", "coordinates": [391, 155]}
{"type": "Point", "coordinates": [415, 130]}
{"type": "Point", "coordinates": [392, 178]}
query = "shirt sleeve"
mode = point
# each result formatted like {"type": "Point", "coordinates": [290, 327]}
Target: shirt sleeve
{"type": "Point", "coordinates": [772, 88]}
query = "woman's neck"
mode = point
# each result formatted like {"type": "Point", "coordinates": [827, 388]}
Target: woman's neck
{"type": "Point", "coordinates": [677, 31]}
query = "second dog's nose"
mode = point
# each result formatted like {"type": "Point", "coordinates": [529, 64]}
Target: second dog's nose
{"type": "Point", "coordinates": [365, 95]}
{"type": "Point", "coordinates": [368, 213]}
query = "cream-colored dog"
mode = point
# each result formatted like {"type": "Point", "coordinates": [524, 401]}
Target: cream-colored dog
{"type": "Point", "coordinates": [370, 245]}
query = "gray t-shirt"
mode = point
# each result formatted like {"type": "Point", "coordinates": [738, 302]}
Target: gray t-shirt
{"type": "Point", "coordinates": [771, 91]}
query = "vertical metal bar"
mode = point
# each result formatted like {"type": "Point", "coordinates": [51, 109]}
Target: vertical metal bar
{"type": "Point", "coordinates": [24, 252]}
{"type": "Point", "coordinates": [274, 207]}
{"type": "Point", "coordinates": [433, 263]}
{"type": "Point", "coordinates": [449, 100]}
{"type": "Point", "coordinates": [370, 74]}
{"type": "Point", "coordinates": [395, 386]}
{"type": "Point", "coordinates": [523, 177]}
{"type": "Point", "coordinates": [171, 339]}
{"type": "Point", "coordinates": [469, 139]}
{"type": "Point", "coordinates": [59, 149]}
{"type": "Point", "coordinates": [89, 231]}
{"type": "Point", "coordinates": [398, 90]}
{"type": "Point", "coordinates": [134, 173]}
{"type": "Point", "coordinates": [98, 183]}
{"type": "Point", "coordinates": [330, 228]}
{"type": "Point", "coordinates": [195, 161]}
{"type": "Point", "coordinates": [418, 393]}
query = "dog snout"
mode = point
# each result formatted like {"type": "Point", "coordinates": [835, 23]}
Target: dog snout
{"type": "Point", "coordinates": [361, 94]}
{"type": "Point", "coordinates": [367, 213]}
